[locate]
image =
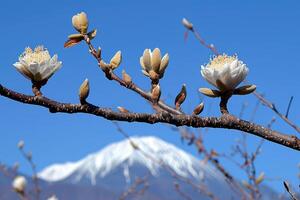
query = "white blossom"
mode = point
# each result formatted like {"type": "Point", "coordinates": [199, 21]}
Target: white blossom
{"type": "Point", "coordinates": [225, 72]}
{"type": "Point", "coordinates": [37, 65]}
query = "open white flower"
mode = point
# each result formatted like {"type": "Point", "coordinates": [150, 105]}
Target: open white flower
{"type": "Point", "coordinates": [19, 184]}
{"type": "Point", "coordinates": [225, 72]}
{"type": "Point", "coordinates": [37, 65]}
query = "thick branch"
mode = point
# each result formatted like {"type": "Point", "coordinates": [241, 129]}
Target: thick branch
{"type": "Point", "coordinates": [226, 121]}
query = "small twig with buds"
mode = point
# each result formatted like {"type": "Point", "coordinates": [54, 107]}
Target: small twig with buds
{"type": "Point", "coordinates": [189, 26]}
{"type": "Point", "coordinates": [28, 156]}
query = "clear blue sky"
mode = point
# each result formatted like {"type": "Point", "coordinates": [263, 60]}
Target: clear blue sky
{"type": "Point", "coordinates": [265, 35]}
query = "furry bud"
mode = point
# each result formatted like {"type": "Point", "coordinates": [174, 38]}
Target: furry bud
{"type": "Point", "coordinates": [84, 91]}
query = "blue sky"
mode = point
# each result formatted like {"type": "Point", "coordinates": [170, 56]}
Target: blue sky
{"type": "Point", "coordinates": [264, 34]}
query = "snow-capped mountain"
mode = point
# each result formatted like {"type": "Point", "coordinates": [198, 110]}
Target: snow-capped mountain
{"type": "Point", "coordinates": [119, 164]}
{"type": "Point", "coordinates": [152, 153]}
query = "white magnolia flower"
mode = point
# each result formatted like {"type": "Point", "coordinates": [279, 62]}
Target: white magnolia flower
{"type": "Point", "coordinates": [37, 65]}
{"type": "Point", "coordinates": [225, 72]}
{"type": "Point", "coordinates": [19, 184]}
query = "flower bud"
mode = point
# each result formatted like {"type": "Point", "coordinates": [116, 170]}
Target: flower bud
{"type": "Point", "coordinates": [180, 97]}
{"type": "Point", "coordinates": [127, 79]}
{"type": "Point", "coordinates": [198, 109]}
{"type": "Point", "coordinates": [156, 93]}
{"type": "Point", "coordinates": [187, 24]}
{"type": "Point", "coordinates": [116, 60]}
{"type": "Point", "coordinates": [19, 184]}
{"type": "Point", "coordinates": [210, 92]}
{"type": "Point", "coordinates": [21, 144]}
{"type": "Point", "coordinates": [244, 90]}
{"type": "Point", "coordinates": [84, 91]}
{"type": "Point", "coordinates": [98, 54]}
{"type": "Point", "coordinates": [80, 22]}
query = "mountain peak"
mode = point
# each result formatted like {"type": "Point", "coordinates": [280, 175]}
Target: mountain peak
{"type": "Point", "coordinates": [150, 152]}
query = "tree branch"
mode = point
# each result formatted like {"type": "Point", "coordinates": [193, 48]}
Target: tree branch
{"type": "Point", "coordinates": [225, 121]}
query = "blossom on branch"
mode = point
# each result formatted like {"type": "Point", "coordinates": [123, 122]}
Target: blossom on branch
{"type": "Point", "coordinates": [37, 65]}
{"type": "Point", "coordinates": [225, 72]}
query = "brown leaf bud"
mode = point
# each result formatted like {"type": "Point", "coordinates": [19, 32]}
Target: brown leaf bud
{"type": "Point", "coordinates": [198, 109]}
{"type": "Point", "coordinates": [180, 97]}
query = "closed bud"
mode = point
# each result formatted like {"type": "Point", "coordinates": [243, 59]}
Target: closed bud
{"type": "Point", "coordinates": [187, 24]}
{"type": "Point", "coordinates": [244, 90]}
{"type": "Point", "coordinates": [80, 22]}
{"type": "Point", "coordinates": [122, 109]}
{"type": "Point", "coordinates": [116, 60]}
{"type": "Point", "coordinates": [210, 92]}
{"type": "Point", "coordinates": [127, 79]}
{"type": "Point", "coordinates": [21, 144]}
{"type": "Point", "coordinates": [98, 54]}
{"type": "Point", "coordinates": [19, 184]}
{"type": "Point", "coordinates": [260, 178]}
{"type": "Point", "coordinates": [84, 91]}
{"type": "Point", "coordinates": [198, 109]}
{"type": "Point", "coordinates": [180, 97]}
{"type": "Point", "coordinates": [156, 93]}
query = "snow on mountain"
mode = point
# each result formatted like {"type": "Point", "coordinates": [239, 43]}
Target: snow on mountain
{"type": "Point", "coordinates": [153, 154]}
